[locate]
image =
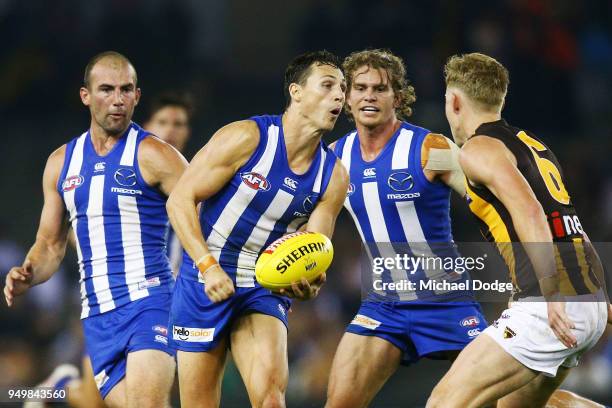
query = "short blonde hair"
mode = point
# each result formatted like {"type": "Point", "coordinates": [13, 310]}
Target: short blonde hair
{"type": "Point", "coordinates": [483, 79]}
{"type": "Point", "coordinates": [396, 72]}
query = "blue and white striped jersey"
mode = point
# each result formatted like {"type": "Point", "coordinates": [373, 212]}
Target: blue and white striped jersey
{"type": "Point", "coordinates": [391, 201]}
{"type": "Point", "coordinates": [263, 201]}
{"type": "Point", "coordinates": [120, 223]}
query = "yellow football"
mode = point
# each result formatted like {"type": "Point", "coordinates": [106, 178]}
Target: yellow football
{"type": "Point", "coordinates": [293, 256]}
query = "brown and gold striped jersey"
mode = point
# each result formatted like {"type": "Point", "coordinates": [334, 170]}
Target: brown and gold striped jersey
{"type": "Point", "coordinates": [540, 167]}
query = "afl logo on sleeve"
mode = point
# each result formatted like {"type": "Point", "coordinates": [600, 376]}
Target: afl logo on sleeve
{"type": "Point", "coordinates": [72, 182]}
{"type": "Point", "coordinates": [255, 181]}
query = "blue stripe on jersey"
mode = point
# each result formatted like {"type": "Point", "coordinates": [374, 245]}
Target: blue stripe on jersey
{"type": "Point", "coordinates": [391, 201]}
{"type": "Point", "coordinates": [264, 200]}
{"type": "Point", "coordinates": [120, 223]}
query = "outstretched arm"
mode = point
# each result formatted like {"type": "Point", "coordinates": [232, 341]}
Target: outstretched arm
{"type": "Point", "coordinates": [49, 249]}
{"type": "Point", "coordinates": [209, 171]}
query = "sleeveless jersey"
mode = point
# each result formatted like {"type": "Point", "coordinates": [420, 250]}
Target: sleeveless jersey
{"type": "Point", "coordinates": [540, 167]}
{"type": "Point", "coordinates": [263, 201]}
{"type": "Point", "coordinates": [119, 221]}
{"type": "Point", "coordinates": [391, 201]}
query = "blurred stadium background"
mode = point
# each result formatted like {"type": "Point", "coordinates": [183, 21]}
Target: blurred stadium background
{"type": "Point", "coordinates": [230, 55]}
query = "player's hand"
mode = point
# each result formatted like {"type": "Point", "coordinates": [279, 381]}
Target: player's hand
{"type": "Point", "coordinates": [18, 281]}
{"type": "Point", "coordinates": [560, 324]}
{"type": "Point", "coordinates": [303, 290]}
{"type": "Point", "coordinates": [217, 285]}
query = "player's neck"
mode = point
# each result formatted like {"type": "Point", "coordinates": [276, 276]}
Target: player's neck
{"type": "Point", "coordinates": [373, 140]}
{"type": "Point", "coordinates": [101, 140]}
{"type": "Point", "coordinates": [301, 141]}
{"type": "Point", "coordinates": [474, 121]}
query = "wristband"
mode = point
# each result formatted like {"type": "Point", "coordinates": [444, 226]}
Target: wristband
{"type": "Point", "coordinates": [205, 263]}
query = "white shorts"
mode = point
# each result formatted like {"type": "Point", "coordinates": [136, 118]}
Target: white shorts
{"type": "Point", "coordinates": [523, 331]}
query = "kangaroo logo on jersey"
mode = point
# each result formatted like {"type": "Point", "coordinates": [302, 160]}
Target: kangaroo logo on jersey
{"type": "Point", "coordinates": [125, 177]}
{"type": "Point", "coordinates": [72, 182]}
{"type": "Point", "coordinates": [400, 181]}
{"type": "Point", "coordinates": [256, 181]}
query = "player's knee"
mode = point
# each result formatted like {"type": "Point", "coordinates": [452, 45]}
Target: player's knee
{"type": "Point", "coordinates": [440, 397]}
{"type": "Point", "coordinates": [273, 398]}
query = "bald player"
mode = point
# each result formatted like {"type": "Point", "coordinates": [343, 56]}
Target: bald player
{"type": "Point", "coordinates": [111, 184]}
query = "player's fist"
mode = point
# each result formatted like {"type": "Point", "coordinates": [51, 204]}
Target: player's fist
{"type": "Point", "coordinates": [217, 285]}
{"type": "Point", "coordinates": [18, 281]}
{"type": "Point", "coordinates": [303, 290]}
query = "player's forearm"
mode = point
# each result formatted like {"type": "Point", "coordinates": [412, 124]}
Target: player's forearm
{"type": "Point", "coordinates": [183, 215]}
{"type": "Point", "coordinates": [45, 258]}
{"type": "Point", "coordinates": [534, 232]}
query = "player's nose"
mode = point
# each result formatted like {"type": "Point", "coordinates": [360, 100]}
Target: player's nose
{"type": "Point", "coordinates": [118, 97]}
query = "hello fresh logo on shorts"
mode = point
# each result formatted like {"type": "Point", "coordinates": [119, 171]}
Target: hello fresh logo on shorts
{"type": "Point", "coordinates": [192, 334]}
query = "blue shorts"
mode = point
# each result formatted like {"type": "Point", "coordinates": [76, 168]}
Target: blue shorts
{"type": "Point", "coordinates": [420, 329]}
{"type": "Point", "coordinates": [110, 336]}
{"type": "Point", "coordinates": [197, 324]}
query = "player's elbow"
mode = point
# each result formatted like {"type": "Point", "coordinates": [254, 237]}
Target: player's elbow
{"type": "Point", "coordinates": [173, 205]}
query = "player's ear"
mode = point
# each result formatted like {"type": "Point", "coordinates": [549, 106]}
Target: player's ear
{"type": "Point", "coordinates": [84, 93]}
{"type": "Point", "coordinates": [137, 96]}
{"type": "Point", "coordinates": [295, 90]}
{"type": "Point", "coordinates": [456, 101]}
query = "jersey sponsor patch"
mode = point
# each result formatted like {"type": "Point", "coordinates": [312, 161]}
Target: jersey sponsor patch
{"type": "Point", "coordinates": [193, 334]}
{"type": "Point", "coordinates": [365, 321]}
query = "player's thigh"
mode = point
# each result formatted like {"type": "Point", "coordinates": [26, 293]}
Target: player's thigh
{"type": "Point", "coordinates": [482, 373]}
{"type": "Point", "coordinates": [84, 393]}
{"type": "Point", "coordinates": [361, 366]}
{"type": "Point", "coordinates": [117, 396]}
{"type": "Point", "coordinates": [200, 375]}
{"type": "Point", "coordinates": [536, 392]}
{"type": "Point", "coordinates": [149, 377]}
{"type": "Point", "coordinates": [259, 349]}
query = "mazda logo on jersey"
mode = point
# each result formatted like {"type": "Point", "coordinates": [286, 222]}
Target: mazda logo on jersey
{"type": "Point", "coordinates": [72, 182]}
{"type": "Point", "coordinates": [125, 177]}
{"type": "Point", "coordinates": [308, 204]}
{"type": "Point", "coordinates": [400, 181]}
{"type": "Point", "coordinates": [256, 181]}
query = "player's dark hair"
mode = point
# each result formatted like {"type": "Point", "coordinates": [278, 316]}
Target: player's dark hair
{"type": "Point", "coordinates": [299, 68]}
{"type": "Point", "coordinates": [396, 72]}
{"type": "Point", "coordinates": [106, 54]}
{"type": "Point", "coordinates": [183, 100]}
